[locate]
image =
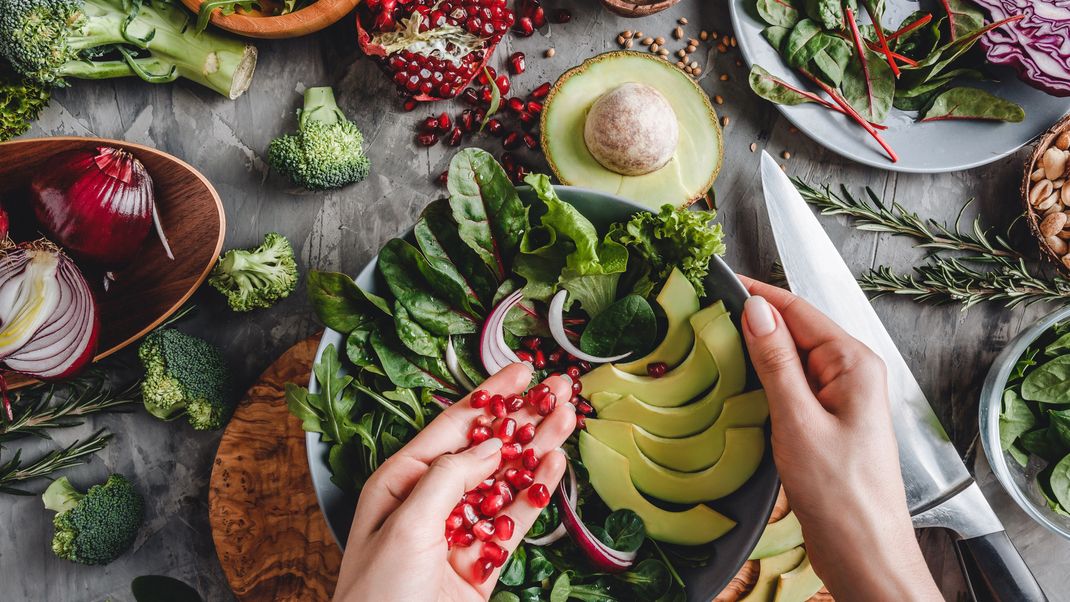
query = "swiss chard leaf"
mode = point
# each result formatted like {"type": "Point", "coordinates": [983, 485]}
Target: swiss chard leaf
{"type": "Point", "coordinates": [1049, 382]}
{"type": "Point", "coordinates": [805, 40]}
{"type": "Point", "coordinates": [627, 325]}
{"type": "Point", "coordinates": [415, 337]}
{"type": "Point", "coordinates": [776, 35]}
{"type": "Point", "coordinates": [774, 89]}
{"type": "Point", "coordinates": [872, 100]}
{"type": "Point", "coordinates": [359, 349]}
{"type": "Point", "coordinates": [436, 235]}
{"type": "Point", "coordinates": [340, 304]}
{"type": "Point", "coordinates": [778, 12]}
{"type": "Point", "coordinates": [411, 370]}
{"type": "Point", "coordinates": [972, 103]}
{"type": "Point", "coordinates": [832, 61]}
{"type": "Point", "coordinates": [399, 263]}
{"type": "Point", "coordinates": [490, 217]}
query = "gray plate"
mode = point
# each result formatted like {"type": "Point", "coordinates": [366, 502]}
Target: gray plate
{"type": "Point", "coordinates": [922, 147]}
{"type": "Point", "coordinates": [750, 506]}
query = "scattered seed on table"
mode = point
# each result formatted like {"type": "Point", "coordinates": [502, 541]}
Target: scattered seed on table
{"type": "Point", "coordinates": [724, 77]}
{"type": "Point", "coordinates": [697, 71]}
{"type": "Point", "coordinates": [739, 63]}
{"type": "Point", "coordinates": [638, 34]}
{"type": "Point", "coordinates": [714, 35]}
{"type": "Point", "coordinates": [550, 52]}
{"type": "Point", "coordinates": [628, 43]}
{"type": "Point", "coordinates": [627, 34]}
{"type": "Point", "coordinates": [722, 49]}
{"type": "Point", "coordinates": [694, 64]}
{"type": "Point", "coordinates": [733, 41]}
{"type": "Point", "coordinates": [681, 53]}
{"type": "Point", "coordinates": [654, 47]}
{"type": "Point", "coordinates": [677, 33]}
{"type": "Point", "coordinates": [690, 49]}
{"type": "Point", "coordinates": [692, 42]}
{"type": "Point", "coordinates": [786, 155]}
{"type": "Point", "coordinates": [664, 52]}
{"type": "Point", "coordinates": [718, 99]}
{"type": "Point", "coordinates": [753, 146]}
{"type": "Point", "coordinates": [659, 40]}
{"type": "Point", "coordinates": [620, 40]}
{"type": "Point", "coordinates": [682, 21]}
{"type": "Point", "coordinates": [793, 130]}
{"type": "Point", "coordinates": [704, 35]}
{"type": "Point", "coordinates": [680, 64]}
{"type": "Point", "coordinates": [724, 121]}
{"type": "Point", "coordinates": [648, 41]}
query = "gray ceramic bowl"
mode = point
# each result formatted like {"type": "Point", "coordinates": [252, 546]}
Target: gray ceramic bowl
{"type": "Point", "coordinates": [750, 506]}
{"type": "Point", "coordinates": [1018, 481]}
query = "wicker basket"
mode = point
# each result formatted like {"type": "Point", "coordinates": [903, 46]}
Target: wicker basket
{"type": "Point", "coordinates": [1032, 215]}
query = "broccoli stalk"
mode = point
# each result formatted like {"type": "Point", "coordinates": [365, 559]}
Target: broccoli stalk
{"type": "Point", "coordinates": [256, 277]}
{"type": "Point", "coordinates": [326, 152]}
{"type": "Point", "coordinates": [97, 526]}
{"type": "Point", "coordinates": [185, 375]}
{"type": "Point", "coordinates": [50, 40]}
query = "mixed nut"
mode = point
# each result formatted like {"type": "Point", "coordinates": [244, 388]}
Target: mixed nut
{"type": "Point", "coordinates": [1049, 197]}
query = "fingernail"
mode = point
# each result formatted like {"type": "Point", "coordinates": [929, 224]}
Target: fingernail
{"type": "Point", "coordinates": [571, 406]}
{"type": "Point", "coordinates": [759, 315]}
{"type": "Point", "coordinates": [531, 366]}
{"type": "Point", "coordinates": [489, 447]}
{"type": "Point", "coordinates": [568, 378]}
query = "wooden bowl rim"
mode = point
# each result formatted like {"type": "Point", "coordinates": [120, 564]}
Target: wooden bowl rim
{"type": "Point", "coordinates": [1043, 142]}
{"type": "Point", "coordinates": [310, 19]}
{"type": "Point", "coordinates": [220, 235]}
{"type": "Point", "coordinates": [627, 8]}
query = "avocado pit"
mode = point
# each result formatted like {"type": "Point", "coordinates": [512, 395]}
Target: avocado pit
{"type": "Point", "coordinates": [631, 130]}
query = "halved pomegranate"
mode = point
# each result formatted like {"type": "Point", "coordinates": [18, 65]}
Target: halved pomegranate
{"type": "Point", "coordinates": [432, 48]}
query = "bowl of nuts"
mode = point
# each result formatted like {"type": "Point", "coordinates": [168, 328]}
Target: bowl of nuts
{"type": "Point", "coordinates": [1046, 193]}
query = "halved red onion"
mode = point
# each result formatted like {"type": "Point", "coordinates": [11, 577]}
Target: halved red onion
{"type": "Point", "coordinates": [443, 401]}
{"type": "Point", "coordinates": [557, 329]}
{"type": "Point", "coordinates": [453, 364]}
{"type": "Point", "coordinates": [493, 351]}
{"type": "Point", "coordinates": [601, 556]}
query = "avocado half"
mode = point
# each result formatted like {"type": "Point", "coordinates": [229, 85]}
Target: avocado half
{"type": "Point", "coordinates": [693, 166]}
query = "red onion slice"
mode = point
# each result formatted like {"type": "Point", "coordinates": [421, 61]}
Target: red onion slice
{"type": "Point", "coordinates": [557, 329]}
{"type": "Point", "coordinates": [602, 556]}
{"type": "Point", "coordinates": [493, 351]}
{"type": "Point", "coordinates": [453, 364]}
{"type": "Point", "coordinates": [567, 495]}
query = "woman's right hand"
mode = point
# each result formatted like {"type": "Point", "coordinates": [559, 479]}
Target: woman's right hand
{"type": "Point", "coordinates": [835, 449]}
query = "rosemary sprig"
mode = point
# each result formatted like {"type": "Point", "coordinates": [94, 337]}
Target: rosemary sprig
{"type": "Point", "coordinates": [13, 472]}
{"type": "Point", "coordinates": [947, 279]}
{"type": "Point", "coordinates": [60, 406]}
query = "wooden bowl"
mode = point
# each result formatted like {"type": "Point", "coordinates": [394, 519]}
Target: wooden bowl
{"type": "Point", "coordinates": [253, 24]}
{"type": "Point", "coordinates": [146, 292]}
{"type": "Point", "coordinates": [1034, 216]}
{"type": "Point", "coordinates": [637, 8]}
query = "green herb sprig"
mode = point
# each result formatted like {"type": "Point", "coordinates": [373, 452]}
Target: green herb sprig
{"type": "Point", "coordinates": [14, 474]}
{"type": "Point", "coordinates": [45, 407]}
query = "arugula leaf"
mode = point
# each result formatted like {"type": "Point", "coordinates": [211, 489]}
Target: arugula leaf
{"type": "Point", "coordinates": [326, 412]}
{"type": "Point", "coordinates": [490, 217]}
{"type": "Point", "coordinates": [972, 103]}
{"type": "Point", "coordinates": [627, 325]}
{"type": "Point", "coordinates": [340, 304]}
{"type": "Point", "coordinates": [400, 263]}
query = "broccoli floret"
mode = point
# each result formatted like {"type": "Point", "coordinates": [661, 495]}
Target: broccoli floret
{"type": "Point", "coordinates": [51, 40]}
{"type": "Point", "coordinates": [259, 277]}
{"type": "Point", "coordinates": [97, 526]}
{"type": "Point", "coordinates": [326, 152]}
{"type": "Point", "coordinates": [21, 101]}
{"type": "Point", "coordinates": [185, 374]}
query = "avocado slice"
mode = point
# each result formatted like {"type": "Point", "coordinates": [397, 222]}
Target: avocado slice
{"type": "Point", "coordinates": [681, 422]}
{"type": "Point", "coordinates": [778, 537]}
{"type": "Point", "coordinates": [679, 454]}
{"type": "Point", "coordinates": [693, 165]}
{"type": "Point", "coordinates": [769, 574]}
{"type": "Point", "coordinates": [743, 450]}
{"type": "Point", "coordinates": [679, 301]}
{"type": "Point", "coordinates": [603, 399]}
{"type": "Point", "coordinates": [694, 375]}
{"type": "Point", "coordinates": [609, 476]}
{"type": "Point", "coordinates": [799, 584]}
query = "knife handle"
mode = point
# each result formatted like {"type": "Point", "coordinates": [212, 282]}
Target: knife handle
{"type": "Point", "coordinates": [995, 571]}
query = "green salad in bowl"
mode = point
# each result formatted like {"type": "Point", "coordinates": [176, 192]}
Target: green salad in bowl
{"type": "Point", "coordinates": [670, 481]}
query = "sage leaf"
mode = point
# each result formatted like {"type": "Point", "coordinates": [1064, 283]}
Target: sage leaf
{"type": "Point", "coordinates": [627, 325]}
{"type": "Point", "coordinates": [778, 12]}
{"type": "Point", "coordinates": [399, 263]}
{"type": "Point", "coordinates": [1049, 382]}
{"type": "Point", "coordinates": [972, 103]}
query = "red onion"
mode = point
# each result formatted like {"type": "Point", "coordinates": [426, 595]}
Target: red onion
{"type": "Point", "coordinates": [603, 557]}
{"type": "Point", "coordinates": [557, 329]}
{"type": "Point", "coordinates": [493, 351]}
{"type": "Point", "coordinates": [453, 364]}
{"type": "Point", "coordinates": [48, 317]}
{"type": "Point", "coordinates": [98, 204]}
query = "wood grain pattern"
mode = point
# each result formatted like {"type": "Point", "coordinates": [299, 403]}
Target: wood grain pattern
{"type": "Point", "coordinates": [637, 8]}
{"type": "Point", "coordinates": [153, 287]}
{"type": "Point", "coordinates": [312, 18]}
{"type": "Point", "coordinates": [269, 533]}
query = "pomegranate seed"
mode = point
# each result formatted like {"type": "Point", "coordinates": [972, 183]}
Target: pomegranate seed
{"type": "Point", "coordinates": [514, 402]}
{"type": "Point", "coordinates": [427, 139]}
{"type": "Point", "coordinates": [657, 369]}
{"type": "Point", "coordinates": [561, 15]}
{"type": "Point", "coordinates": [538, 391]}
{"type": "Point", "coordinates": [521, 479]}
{"type": "Point", "coordinates": [581, 422]}
{"type": "Point", "coordinates": [577, 386]}
{"type": "Point", "coordinates": [555, 356]}
{"type": "Point", "coordinates": [519, 174]}
{"type": "Point", "coordinates": [469, 514]}
{"type": "Point", "coordinates": [444, 122]}
{"type": "Point", "coordinates": [503, 489]}
{"type": "Point", "coordinates": [462, 538]}
{"type": "Point", "coordinates": [524, 356]}
{"type": "Point", "coordinates": [479, 115]}
{"type": "Point", "coordinates": [473, 498]}
{"type": "Point", "coordinates": [481, 570]}
{"type": "Point", "coordinates": [483, 530]}
{"type": "Point", "coordinates": [467, 120]}
{"type": "Point", "coordinates": [584, 408]}
{"type": "Point", "coordinates": [533, 143]}
{"type": "Point", "coordinates": [497, 406]}
{"type": "Point", "coordinates": [494, 553]}
{"type": "Point", "coordinates": [507, 429]}
{"type": "Point", "coordinates": [492, 504]}
{"type": "Point", "coordinates": [479, 399]}
{"type": "Point", "coordinates": [483, 79]}
{"type": "Point", "coordinates": [524, 8]}
{"type": "Point", "coordinates": [534, 107]}
{"type": "Point", "coordinates": [470, 96]}
{"type": "Point", "coordinates": [409, 104]}
{"type": "Point", "coordinates": [517, 65]}
{"type": "Point", "coordinates": [532, 343]}
{"type": "Point", "coordinates": [454, 522]}
{"type": "Point", "coordinates": [524, 27]}
{"type": "Point", "coordinates": [585, 366]}
{"type": "Point", "coordinates": [539, 495]}
{"type": "Point", "coordinates": [479, 434]}
{"type": "Point", "coordinates": [542, 91]}
{"type": "Point", "coordinates": [573, 372]}
{"type": "Point", "coordinates": [486, 96]}
{"type": "Point", "coordinates": [546, 404]}
{"type": "Point", "coordinates": [483, 420]}
{"type": "Point", "coordinates": [495, 127]}
{"type": "Point", "coordinates": [511, 140]}
{"type": "Point", "coordinates": [540, 358]}
{"type": "Point", "coordinates": [430, 124]}
{"type": "Point", "coordinates": [538, 17]}
{"type": "Point", "coordinates": [527, 120]}
{"type": "Point", "coordinates": [502, 81]}
{"type": "Point", "coordinates": [485, 485]}
{"type": "Point", "coordinates": [525, 434]}
{"type": "Point", "coordinates": [509, 164]}
{"type": "Point", "coordinates": [510, 451]}
{"type": "Point", "coordinates": [454, 137]}
{"type": "Point", "coordinates": [529, 459]}
{"type": "Point", "coordinates": [503, 527]}
{"type": "Point", "coordinates": [514, 104]}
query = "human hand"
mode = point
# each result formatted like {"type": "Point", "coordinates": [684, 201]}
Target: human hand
{"type": "Point", "coordinates": [835, 449]}
{"type": "Point", "coordinates": [396, 548]}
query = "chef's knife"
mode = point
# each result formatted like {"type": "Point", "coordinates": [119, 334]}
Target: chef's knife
{"type": "Point", "coordinates": [940, 491]}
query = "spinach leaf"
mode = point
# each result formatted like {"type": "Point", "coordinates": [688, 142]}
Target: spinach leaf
{"type": "Point", "coordinates": [359, 349]}
{"type": "Point", "coordinates": [562, 587]}
{"type": "Point", "coordinates": [626, 530]}
{"type": "Point", "coordinates": [1049, 382]}
{"type": "Point", "coordinates": [512, 573]}
{"type": "Point", "coordinates": [399, 263]}
{"type": "Point", "coordinates": [777, 12]}
{"type": "Point", "coordinates": [409, 370]}
{"type": "Point", "coordinates": [627, 325]}
{"type": "Point", "coordinates": [775, 35]}
{"type": "Point", "coordinates": [972, 103]}
{"type": "Point", "coordinates": [1043, 443]}
{"type": "Point", "coordinates": [829, 13]}
{"type": "Point", "coordinates": [649, 580]}
{"type": "Point", "coordinates": [832, 61]}
{"type": "Point", "coordinates": [872, 100]}
{"type": "Point", "coordinates": [1015, 419]}
{"type": "Point", "coordinates": [539, 566]}
{"type": "Point", "coordinates": [968, 17]}
{"type": "Point", "coordinates": [160, 588]}
{"type": "Point", "coordinates": [1059, 482]}
{"type": "Point", "coordinates": [531, 594]}
{"type": "Point", "coordinates": [460, 275]}
{"type": "Point", "coordinates": [414, 336]}
{"type": "Point", "coordinates": [805, 40]}
{"type": "Point", "coordinates": [1059, 346]}
{"type": "Point", "coordinates": [340, 304]}
{"type": "Point", "coordinates": [504, 596]}
{"type": "Point", "coordinates": [1060, 423]}
{"type": "Point", "coordinates": [490, 217]}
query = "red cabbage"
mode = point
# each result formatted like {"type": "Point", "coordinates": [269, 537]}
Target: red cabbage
{"type": "Point", "coordinates": [1037, 46]}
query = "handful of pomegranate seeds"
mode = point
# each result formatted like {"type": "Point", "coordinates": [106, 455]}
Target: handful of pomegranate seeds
{"type": "Point", "coordinates": [478, 516]}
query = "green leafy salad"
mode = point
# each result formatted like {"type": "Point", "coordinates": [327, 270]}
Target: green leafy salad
{"type": "Point", "coordinates": [1034, 422]}
{"type": "Point", "coordinates": [482, 262]}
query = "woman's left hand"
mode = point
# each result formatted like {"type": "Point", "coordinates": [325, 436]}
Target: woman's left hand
{"type": "Point", "coordinates": [397, 548]}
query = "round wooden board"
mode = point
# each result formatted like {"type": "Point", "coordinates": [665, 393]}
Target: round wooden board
{"type": "Point", "coordinates": [269, 533]}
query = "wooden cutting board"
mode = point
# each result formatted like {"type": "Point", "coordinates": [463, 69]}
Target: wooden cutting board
{"type": "Point", "coordinates": [269, 533]}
